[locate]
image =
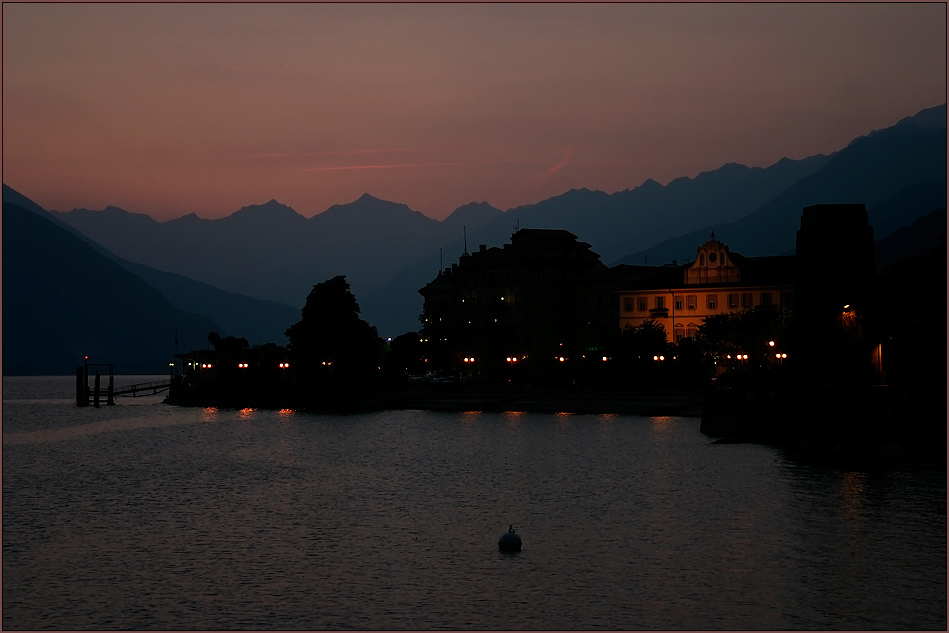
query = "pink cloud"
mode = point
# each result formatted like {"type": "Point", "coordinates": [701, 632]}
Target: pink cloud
{"type": "Point", "coordinates": [568, 154]}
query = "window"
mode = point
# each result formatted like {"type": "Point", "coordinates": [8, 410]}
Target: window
{"type": "Point", "coordinates": [691, 301]}
{"type": "Point", "coordinates": [733, 300]}
{"type": "Point", "coordinates": [711, 301]}
{"type": "Point", "coordinates": [747, 300]}
{"type": "Point", "coordinates": [679, 332]}
{"type": "Point", "coordinates": [765, 298]}
{"type": "Point", "coordinates": [660, 303]}
{"type": "Point", "coordinates": [628, 305]}
{"type": "Point", "coordinates": [678, 303]}
{"type": "Point", "coordinates": [641, 304]}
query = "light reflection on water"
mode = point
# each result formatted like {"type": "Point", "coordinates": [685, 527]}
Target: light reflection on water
{"type": "Point", "coordinates": [148, 516]}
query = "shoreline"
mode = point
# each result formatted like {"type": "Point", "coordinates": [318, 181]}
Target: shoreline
{"type": "Point", "coordinates": [660, 402]}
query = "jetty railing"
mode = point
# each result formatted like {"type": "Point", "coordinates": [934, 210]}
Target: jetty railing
{"type": "Point", "coordinates": [95, 395]}
{"type": "Point", "coordinates": [144, 388]}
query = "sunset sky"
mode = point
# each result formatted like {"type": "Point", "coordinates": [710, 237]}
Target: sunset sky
{"type": "Point", "coordinates": [168, 109]}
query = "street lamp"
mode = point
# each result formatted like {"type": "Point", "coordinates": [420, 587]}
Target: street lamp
{"type": "Point", "coordinates": [511, 361]}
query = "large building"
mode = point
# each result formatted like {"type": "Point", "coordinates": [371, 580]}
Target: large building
{"type": "Point", "coordinates": [547, 296]}
{"type": "Point", "coordinates": [680, 298]}
{"type": "Point", "coordinates": [543, 294]}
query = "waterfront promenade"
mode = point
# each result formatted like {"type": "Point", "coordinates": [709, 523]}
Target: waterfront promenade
{"type": "Point", "coordinates": [447, 397]}
{"type": "Point", "coordinates": [460, 397]}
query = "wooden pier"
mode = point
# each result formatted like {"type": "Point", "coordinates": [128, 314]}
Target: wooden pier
{"type": "Point", "coordinates": [97, 395]}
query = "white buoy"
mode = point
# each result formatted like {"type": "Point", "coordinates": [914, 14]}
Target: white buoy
{"type": "Point", "coordinates": [509, 541]}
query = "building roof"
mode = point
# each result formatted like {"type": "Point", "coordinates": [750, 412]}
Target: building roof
{"type": "Point", "coordinates": [755, 271]}
{"type": "Point", "coordinates": [548, 248]}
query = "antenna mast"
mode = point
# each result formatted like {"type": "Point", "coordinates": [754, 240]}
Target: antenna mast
{"type": "Point", "coordinates": [465, 229]}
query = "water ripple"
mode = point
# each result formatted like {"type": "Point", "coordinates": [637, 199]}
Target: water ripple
{"type": "Point", "coordinates": [153, 517]}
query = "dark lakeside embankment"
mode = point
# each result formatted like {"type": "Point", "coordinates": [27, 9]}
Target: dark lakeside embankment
{"type": "Point", "coordinates": [578, 401]}
{"type": "Point", "coordinates": [458, 397]}
{"type": "Point", "coordinates": [843, 424]}
{"type": "Point", "coordinates": [840, 424]}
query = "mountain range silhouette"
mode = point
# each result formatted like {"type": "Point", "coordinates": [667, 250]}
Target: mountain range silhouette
{"type": "Point", "coordinates": [249, 273]}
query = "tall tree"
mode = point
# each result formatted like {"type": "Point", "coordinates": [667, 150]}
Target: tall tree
{"type": "Point", "coordinates": [330, 342]}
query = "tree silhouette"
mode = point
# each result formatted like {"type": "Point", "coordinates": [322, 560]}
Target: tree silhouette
{"type": "Point", "coordinates": [635, 347]}
{"type": "Point", "coordinates": [228, 343]}
{"type": "Point", "coordinates": [746, 332]}
{"type": "Point", "coordinates": [407, 354]}
{"type": "Point", "coordinates": [330, 343]}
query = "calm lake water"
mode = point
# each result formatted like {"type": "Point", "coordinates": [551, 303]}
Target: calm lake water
{"type": "Point", "coordinates": [146, 516]}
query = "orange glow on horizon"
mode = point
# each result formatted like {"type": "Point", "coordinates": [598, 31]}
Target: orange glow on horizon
{"type": "Point", "coordinates": [448, 146]}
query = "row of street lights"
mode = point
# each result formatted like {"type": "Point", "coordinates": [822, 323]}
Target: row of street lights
{"type": "Point", "coordinates": [239, 365]}
{"type": "Point", "coordinates": [778, 355]}
{"type": "Point", "coordinates": [513, 360]}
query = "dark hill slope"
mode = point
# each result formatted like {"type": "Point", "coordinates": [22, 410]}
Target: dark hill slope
{"type": "Point", "coordinates": [257, 320]}
{"type": "Point", "coordinates": [925, 235]}
{"type": "Point", "coordinates": [63, 300]}
{"type": "Point", "coordinates": [625, 221]}
{"type": "Point", "coordinates": [898, 172]}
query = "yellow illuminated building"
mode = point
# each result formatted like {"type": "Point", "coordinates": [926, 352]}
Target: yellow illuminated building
{"type": "Point", "coordinates": [680, 298]}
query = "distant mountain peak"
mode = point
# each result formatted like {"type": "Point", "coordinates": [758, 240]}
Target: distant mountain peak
{"type": "Point", "coordinates": [934, 118]}
{"type": "Point", "coordinates": [473, 214]}
{"type": "Point", "coordinates": [268, 210]}
{"type": "Point", "coordinates": [930, 117]}
{"type": "Point", "coordinates": [109, 210]}
{"type": "Point", "coordinates": [479, 205]}
{"type": "Point", "coordinates": [368, 204]}
{"type": "Point", "coordinates": [111, 213]}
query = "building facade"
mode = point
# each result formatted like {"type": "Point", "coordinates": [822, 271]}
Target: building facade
{"type": "Point", "coordinates": [547, 296]}
{"type": "Point", "coordinates": [542, 296]}
{"type": "Point", "coordinates": [680, 298]}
